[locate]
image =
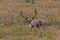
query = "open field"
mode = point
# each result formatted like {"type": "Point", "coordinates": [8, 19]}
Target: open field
{"type": "Point", "coordinates": [13, 26]}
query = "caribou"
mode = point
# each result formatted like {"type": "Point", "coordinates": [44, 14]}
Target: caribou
{"type": "Point", "coordinates": [34, 22]}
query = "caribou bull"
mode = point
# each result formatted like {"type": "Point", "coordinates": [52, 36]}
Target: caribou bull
{"type": "Point", "coordinates": [33, 22]}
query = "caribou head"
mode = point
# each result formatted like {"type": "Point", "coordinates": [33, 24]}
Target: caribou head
{"type": "Point", "coordinates": [33, 22]}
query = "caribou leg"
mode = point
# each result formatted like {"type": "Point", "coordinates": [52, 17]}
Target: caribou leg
{"type": "Point", "coordinates": [32, 26]}
{"type": "Point", "coordinates": [37, 26]}
{"type": "Point", "coordinates": [42, 25]}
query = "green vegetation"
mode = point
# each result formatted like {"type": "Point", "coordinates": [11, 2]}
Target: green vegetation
{"type": "Point", "coordinates": [30, 1]}
{"type": "Point", "coordinates": [14, 27]}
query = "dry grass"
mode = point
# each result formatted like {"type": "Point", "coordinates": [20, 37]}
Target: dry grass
{"type": "Point", "coordinates": [13, 26]}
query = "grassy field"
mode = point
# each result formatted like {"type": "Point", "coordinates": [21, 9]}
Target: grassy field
{"type": "Point", "coordinates": [13, 26]}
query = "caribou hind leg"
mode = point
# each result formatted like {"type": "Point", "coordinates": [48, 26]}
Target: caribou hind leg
{"type": "Point", "coordinates": [42, 25]}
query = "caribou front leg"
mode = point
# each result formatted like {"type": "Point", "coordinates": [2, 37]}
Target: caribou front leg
{"type": "Point", "coordinates": [31, 26]}
{"type": "Point", "coordinates": [37, 26]}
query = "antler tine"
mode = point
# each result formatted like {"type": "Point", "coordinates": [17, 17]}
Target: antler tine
{"type": "Point", "coordinates": [22, 15]}
{"type": "Point", "coordinates": [35, 14]}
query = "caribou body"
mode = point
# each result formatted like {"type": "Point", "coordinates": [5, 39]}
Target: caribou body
{"type": "Point", "coordinates": [34, 22]}
{"type": "Point", "coordinates": [37, 23]}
